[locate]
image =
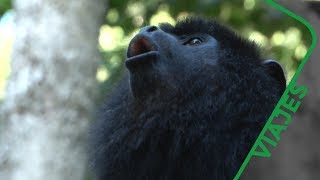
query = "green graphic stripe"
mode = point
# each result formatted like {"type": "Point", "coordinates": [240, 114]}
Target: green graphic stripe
{"type": "Point", "coordinates": [291, 84]}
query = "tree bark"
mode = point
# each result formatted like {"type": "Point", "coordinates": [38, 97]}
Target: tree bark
{"type": "Point", "coordinates": [298, 154]}
{"type": "Point", "coordinates": [51, 91]}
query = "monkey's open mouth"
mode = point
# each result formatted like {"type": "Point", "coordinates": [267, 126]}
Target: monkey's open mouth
{"type": "Point", "coordinates": [141, 50]}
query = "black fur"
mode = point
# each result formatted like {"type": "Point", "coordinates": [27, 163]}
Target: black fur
{"type": "Point", "coordinates": [194, 121]}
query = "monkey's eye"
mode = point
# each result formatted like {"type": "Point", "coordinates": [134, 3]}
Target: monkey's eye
{"type": "Point", "coordinates": [193, 41]}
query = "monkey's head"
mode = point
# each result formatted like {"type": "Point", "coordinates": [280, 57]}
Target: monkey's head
{"type": "Point", "coordinates": [171, 59]}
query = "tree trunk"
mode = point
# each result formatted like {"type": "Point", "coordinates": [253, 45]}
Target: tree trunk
{"type": "Point", "coordinates": [51, 90]}
{"type": "Point", "coordinates": [298, 154]}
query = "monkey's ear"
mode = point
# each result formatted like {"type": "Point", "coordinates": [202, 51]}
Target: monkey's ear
{"type": "Point", "coordinates": [275, 70]}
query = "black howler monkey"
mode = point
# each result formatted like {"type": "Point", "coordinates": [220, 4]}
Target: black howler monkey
{"type": "Point", "coordinates": [194, 101]}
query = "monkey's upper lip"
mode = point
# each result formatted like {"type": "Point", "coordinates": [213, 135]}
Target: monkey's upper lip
{"type": "Point", "coordinates": [141, 50]}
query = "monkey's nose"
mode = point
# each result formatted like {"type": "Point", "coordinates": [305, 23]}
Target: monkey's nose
{"type": "Point", "coordinates": [149, 29]}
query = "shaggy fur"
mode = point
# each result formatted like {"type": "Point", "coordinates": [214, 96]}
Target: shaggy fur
{"type": "Point", "coordinates": [201, 127]}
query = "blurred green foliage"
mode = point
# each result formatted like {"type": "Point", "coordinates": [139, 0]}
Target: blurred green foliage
{"type": "Point", "coordinates": [281, 37]}
{"type": "Point", "coordinates": [4, 6]}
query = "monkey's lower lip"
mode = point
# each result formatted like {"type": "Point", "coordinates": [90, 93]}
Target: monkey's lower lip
{"type": "Point", "coordinates": [144, 58]}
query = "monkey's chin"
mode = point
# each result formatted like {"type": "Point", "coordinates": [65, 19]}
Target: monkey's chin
{"type": "Point", "coordinates": [141, 60]}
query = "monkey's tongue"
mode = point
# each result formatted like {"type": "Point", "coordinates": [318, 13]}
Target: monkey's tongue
{"type": "Point", "coordinates": [140, 45]}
